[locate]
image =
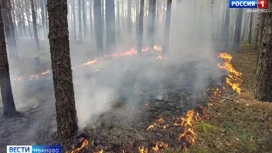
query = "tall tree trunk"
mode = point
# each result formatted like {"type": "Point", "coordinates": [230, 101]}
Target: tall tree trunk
{"type": "Point", "coordinates": [167, 27]}
{"type": "Point", "coordinates": [246, 19]}
{"type": "Point", "coordinates": [98, 25]}
{"type": "Point", "coordinates": [12, 25]}
{"type": "Point", "coordinates": [6, 91]}
{"type": "Point", "coordinates": [263, 83]}
{"type": "Point", "coordinates": [46, 18]}
{"type": "Point", "coordinates": [8, 25]}
{"type": "Point", "coordinates": [117, 17]}
{"type": "Point", "coordinates": [85, 30]}
{"type": "Point", "coordinates": [140, 27]}
{"type": "Point", "coordinates": [35, 24]}
{"type": "Point", "coordinates": [110, 25]}
{"type": "Point", "coordinates": [13, 15]}
{"type": "Point", "coordinates": [91, 17]}
{"type": "Point", "coordinates": [61, 67]}
{"type": "Point", "coordinates": [79, 21]}
{"type": "Point", "coordinates": [226, 29]}
{"type": "Point", "coordinates": [262, 21]}
{"type": "Point", "coordinates": [28, 19]}
{"type": "Point", "coordinates": [22, 18]}
{"type": "Point", "coordinates": [237, 33]}
{"type": "Point", "coordinates": [129, 24]}
{"type": "Point", "coordinates": [137, 12]}
{"type": "Point", "coordinates": [151, 24]}
{"type": "Point", "coordinates": [74, 19]}
{"type": "Point", "coordinates": [250, 28]}
{"type": "Point", "coordinates": [212, 20]}
{"type": "Point", "coordinates": [42, 4]}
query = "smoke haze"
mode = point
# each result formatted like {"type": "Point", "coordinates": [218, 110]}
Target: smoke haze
{"type": "Point", "coordinates": [98, 88]}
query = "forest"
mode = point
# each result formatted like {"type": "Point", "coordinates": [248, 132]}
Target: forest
{"type": "Point", "coordinates": [136, 76]}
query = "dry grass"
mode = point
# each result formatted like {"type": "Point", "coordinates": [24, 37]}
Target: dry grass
{"type": "Point", "coordinates": [241, 124]}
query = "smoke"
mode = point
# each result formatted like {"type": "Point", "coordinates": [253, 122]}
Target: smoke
{"type": "Point", "coordinates": [127, 80]}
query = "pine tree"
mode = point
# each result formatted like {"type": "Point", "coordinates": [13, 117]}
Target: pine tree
{"type": "Point", "coordinates": [151, 23]}
{"type": "Point", "coordinates": [140, 27]}
{"type": "Point", "coordinates": [61, 68]}
{"type": "Point", "coordinates": [237, 30]}
{"type": "Point", "coordinates": [263, 84]}
{"type": "Point", "coordinates": [35, 24]}
{"type": "Point", "coordinates": [167, 26]}
{"type": "Point", "coordinates": [6, 91]}
{"type": "Point", "coordinates": [98, 25]}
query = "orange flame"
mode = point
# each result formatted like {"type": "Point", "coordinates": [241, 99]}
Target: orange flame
{"type": "Point", "coordinates": [78, 150]}
{"type": "Point", "coordinates": [160, 146]}
{"type": "Point", "coordinates": [158, 122]}
{"type": "Point", "coordinates": [90, 62]}
{"type": "Point", "coordinates": [188, 135]}
{"type": "Point", "coordinates": [234, 76]}
{"type": "Point", "coordinates": [130, 52]}
{"type": "Point", "coordinates": [143, 150]}
{"type": "Point", "coordinates": [100, 151]}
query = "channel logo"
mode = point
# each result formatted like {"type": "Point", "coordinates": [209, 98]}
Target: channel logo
{"type": "Point", "coordinates": [33, 149]}
{"type": "Point", "coordinates": [260, 4]}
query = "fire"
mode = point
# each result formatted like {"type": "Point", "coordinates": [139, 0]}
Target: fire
{"type": "Point", "coordinates": [160, 146]}
{"type": "Point", "coordinates": [100, 151]}
{"type": "Point", "coordinates": [188, 135]}
{"type": "Point", "coordinates": [78, 150]}
{"type": "Point", "coordinates": [158, 122]}
{"type": "Point", "coordinates": [90, 62]}
{"type": "Point", "coordinates": [157, 48]}
{"type": "Point", "coordinates": [216, 94]}
{"type": "Point", "coordinates": [143, 150]}
{"type": "Point", "coordinates": [234, 76]}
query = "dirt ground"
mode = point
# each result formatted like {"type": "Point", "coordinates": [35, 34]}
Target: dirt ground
{"type": "Point", "coordinates": [239, 124]}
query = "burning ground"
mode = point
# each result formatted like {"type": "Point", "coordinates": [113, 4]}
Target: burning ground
{"type": "Point", "coordinates": [144, 110]}
{"type": "Point", "coordinates": [237, 123]}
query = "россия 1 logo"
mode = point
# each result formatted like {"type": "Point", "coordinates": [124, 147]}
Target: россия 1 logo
{"type": "Point", "coordinates": [33, 149]}
{"type": "Point", "coordinates": [260, 4]}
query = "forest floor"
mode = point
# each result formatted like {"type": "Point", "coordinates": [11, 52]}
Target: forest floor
{"type": "Point", "coordinates": [239, 124]}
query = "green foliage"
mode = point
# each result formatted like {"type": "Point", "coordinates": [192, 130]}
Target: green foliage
{"type": "Point", "coordinates": [172, 151]}
{"type": "Point", "coordinates": [228, 127]}
{"type": "Point", "coordinates": [245, 141]}
{"type": "Point", "coordinates": [200, 150]}
{"type": "Point", "coordinates": [206, 127]}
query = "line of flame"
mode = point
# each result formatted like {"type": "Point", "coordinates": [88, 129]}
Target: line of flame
{"type": "Point", "coordinates": [90, 62]}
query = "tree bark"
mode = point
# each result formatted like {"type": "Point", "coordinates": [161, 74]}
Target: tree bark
{"type": "Point", "coordinates": [237, 32]}
{"type": "Point", "coordinates": [85, 30]}
{"type": "Point", "coordinates": [98, 25]}
{"type": "Point", "coordinates": [151, 24]}
{"type": "Point", "coordinates": [140, 27]}
{"type": "Point", "coordinates": [61, 68]}
{"type": "Point", "coordinates": [79, 21]}
{"type": "Point", "coordinates": [263, 84]}
{"type": "Point", "coordinates": [35, 25]}
{"type": "Point", "coordinates": [74, 19]}
{"type": "Point", "coordinates": [129, 24]}
{"type": "Point", "coordinates": [226, 29]}
{"type": "Point", "coordinates": [9, 31]}
{"type": "Point", "coordinates": [91, 18]}
{"type": "Point", "coordinates": [167, 26]}
{"type": "Point", "coordinates": [250, 28]}
{"type": "Point", "coordinates": [6, 91]}
{"type": "Point", "coordinates": [110, 25]}
{"type": "Point", "coordinates": [42, 4]}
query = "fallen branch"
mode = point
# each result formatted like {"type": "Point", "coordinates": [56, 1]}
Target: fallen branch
{"type": "Point", "coordinates": [231, 97]}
